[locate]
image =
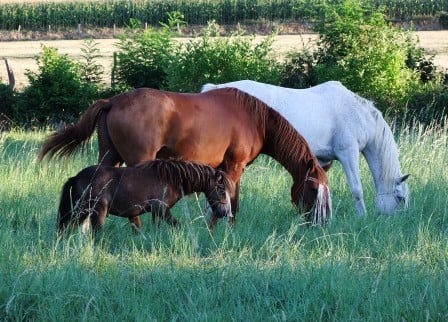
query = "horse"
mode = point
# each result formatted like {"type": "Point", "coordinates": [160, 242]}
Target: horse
{"type": "Point", "coordinates": [339, 125]}
{"type": "Point", "coordinates": [225, 128]}
{"type": "Point", "coordinates": [153, 186]}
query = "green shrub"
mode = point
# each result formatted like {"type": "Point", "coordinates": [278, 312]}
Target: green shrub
{"type": "Point", "coordinates": [358, 48]}
{"type": "Point", "coordinates": [56, 91]}
{"type": "Point", "coordinates": [443, 20]}
{"type": "Point", "coordinates": [142, 58]}
{"type": "Point", "coordinates": [217, 59]}
{"type": "Point", "coordinates": [299, 70]}
{"type": "Point", "coordinates": [7, 102]}
{"type": "Point", "coordinates": [149, 58]}
{"type": "Point", "coordinates": [427, 103]}
{"type": "Point", "coordinates": [91, 72]}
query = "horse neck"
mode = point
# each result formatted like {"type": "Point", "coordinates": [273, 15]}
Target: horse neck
{"type": "Point", "coordinates": [284, 144]}
{"type": "Point", "coordinates": [382, 157]}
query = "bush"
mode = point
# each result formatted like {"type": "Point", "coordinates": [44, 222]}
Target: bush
{"type": "Point", "coordinates": [443, 20]}
{"type": "Point", "coordinates": [142, 58]}
{"type": "Point", "coordinates": [8, 101]}
{"type": "Point", "coordinates": [299, 70]}
{"type": "Point", "coordinates": [428, 102]}
{"type": "Point", "coordinates": [149, 58]}
{"type": "Point", "coordinates": [358, 48]}
{"type": "Point", "coordinates": [56, 91]}
{"type": "Point", "coordinates": [221, 59]}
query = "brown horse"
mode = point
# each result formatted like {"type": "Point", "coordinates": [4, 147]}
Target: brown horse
{"type": "Point", "coordinates": [225, 128]}
{"type": "Point", "coordinates": [154, 186]}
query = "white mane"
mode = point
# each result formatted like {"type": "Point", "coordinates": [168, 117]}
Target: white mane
{"type": "Point", "coordinates": [384, 143]}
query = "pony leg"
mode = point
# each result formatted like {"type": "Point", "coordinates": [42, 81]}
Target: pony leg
{"type": "Point", "coordinates": [351, 168]}
{"type": "Point", "coordinates": [136, 224]}
{"type": "Point", "coordinates": [170, 219]}
{"type": "Point", "coordinates": [98, 217]}
{"type": "Point", "coordinates": [160, 209]}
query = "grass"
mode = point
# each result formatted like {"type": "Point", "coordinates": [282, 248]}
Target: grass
{"type": "Point", "coordinates": [271, 267]}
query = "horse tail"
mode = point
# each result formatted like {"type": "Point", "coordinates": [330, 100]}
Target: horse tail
{"type": "Point", "coordinates": [68, 140]}
{"type": "Point", "coordinates": [208, 87]}
{"type": "Point", "coordinates": [65, 205]}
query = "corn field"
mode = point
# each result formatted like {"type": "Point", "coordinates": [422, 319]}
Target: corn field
{"type": "Point", "coordinates": [34, 15]}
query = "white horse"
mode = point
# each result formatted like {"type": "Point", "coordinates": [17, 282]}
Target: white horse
{"type": "Point", "coordinates": [338, 125]}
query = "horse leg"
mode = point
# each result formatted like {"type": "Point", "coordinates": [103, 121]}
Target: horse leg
{"type": "Point", "coordinates": [350, 163]}
{"type": "Point", "coordinates": [107, 153]}
{"type": "Point", "coordinates": [235, 203]}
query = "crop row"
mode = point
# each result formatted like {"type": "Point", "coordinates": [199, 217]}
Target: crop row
{"type": "Point", "coordinates": [40, 15]}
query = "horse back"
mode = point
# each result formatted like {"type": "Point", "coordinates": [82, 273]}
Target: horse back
{"type": "Point", "coordinates": [196, 127]}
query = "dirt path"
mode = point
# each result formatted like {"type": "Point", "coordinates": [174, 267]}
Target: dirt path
{"type": "Point", "coordinates": [21, 53]}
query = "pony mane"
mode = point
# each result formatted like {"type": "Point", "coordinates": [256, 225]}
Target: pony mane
{"type": "Point", "coordinates": [283, 142]}
{"type": "Point", "coordinates": [185, 174]}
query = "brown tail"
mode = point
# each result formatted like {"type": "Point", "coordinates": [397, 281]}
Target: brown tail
{"type": "Point", "coordinates": [68, 140]}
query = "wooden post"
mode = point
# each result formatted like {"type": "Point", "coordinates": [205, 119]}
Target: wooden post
{"type": "Point", "coordinates": [11, 78]}
{"type": "Point", "coordinates": [114, 66]}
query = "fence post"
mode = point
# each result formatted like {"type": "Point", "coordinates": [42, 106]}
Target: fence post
{"type": "Point", "coordinates": [11, 78]}
{"type": "Point", "coordinates": [112, 74]}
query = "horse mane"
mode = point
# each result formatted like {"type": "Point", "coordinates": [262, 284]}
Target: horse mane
{"type": "Point", "coordinates": [283, 142]}
{"type": "Point", "coordinates": [188, 175]}
{"type": "Point", "coordinates": [384, 142]}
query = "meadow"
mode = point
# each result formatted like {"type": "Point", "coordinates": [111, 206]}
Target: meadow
{"type": "Point", "coordinates": [271, 267]}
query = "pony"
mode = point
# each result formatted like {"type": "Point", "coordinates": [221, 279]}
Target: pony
{"type": "Point", "coordinates": [153, 186]}
{"type": "Point", "coordinates": [339, 125]}
{"type": "Point", "coordinates": [225, 128]}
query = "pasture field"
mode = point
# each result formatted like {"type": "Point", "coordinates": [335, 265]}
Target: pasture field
{"type": "Point", "coordinates": [271, 267]}
{"type": "Point", "coordinates": [21, 54]}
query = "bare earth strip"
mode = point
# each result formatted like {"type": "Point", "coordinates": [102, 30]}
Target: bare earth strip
{"type": "Point", "coordinates": [21, 54]}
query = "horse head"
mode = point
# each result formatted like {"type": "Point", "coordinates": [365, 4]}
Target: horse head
{"type": "Point", "coordinates": [218, 194]}
{"type": "Point", "coordinates": [388, 202]}
{"type": "Point", "coordinates": [315, 195]}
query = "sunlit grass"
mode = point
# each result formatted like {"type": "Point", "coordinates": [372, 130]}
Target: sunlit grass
{"type": "Point", "coordinates": [271, 267]}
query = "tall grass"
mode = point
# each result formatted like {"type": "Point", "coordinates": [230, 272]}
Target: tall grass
{"type": "Point", "coordinates": [271, 267]}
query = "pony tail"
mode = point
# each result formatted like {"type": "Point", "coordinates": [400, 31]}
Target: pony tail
{"type": "Point", "coordinates": [65, 205]}
{"type": "Point", "coordinates": [323, 208]}
{"type": "Point", "coordinates": [68, 140]}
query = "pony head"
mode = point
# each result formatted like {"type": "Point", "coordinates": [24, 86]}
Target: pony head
{"type": "Point", "coordinates": [218, 194]}
{"type": "Point", "coordinates": [315, 196]}
{"type": "Point", "coordinates": [388, 202]}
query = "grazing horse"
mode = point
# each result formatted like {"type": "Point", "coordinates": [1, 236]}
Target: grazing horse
{"type": "Point", "coordinates": [338, 125]}
{"type": "Point", "coordinates": [225, 128]}
{"type": "Point", "coordinates": [153, 186]}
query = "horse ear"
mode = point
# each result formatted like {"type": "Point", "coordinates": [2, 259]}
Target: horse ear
{"type": "Point", "coordinates": [403, 178]}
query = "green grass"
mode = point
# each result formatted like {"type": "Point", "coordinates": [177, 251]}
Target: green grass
{"type": "Point", "coordinates": [271, 267]}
